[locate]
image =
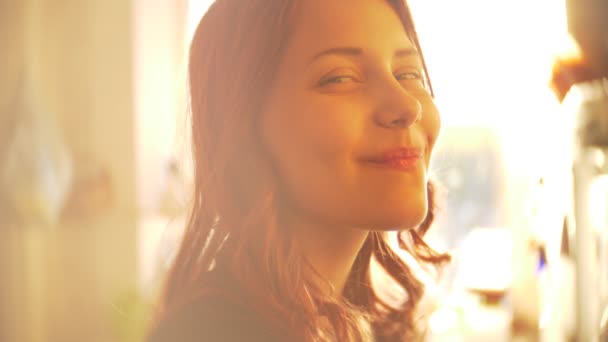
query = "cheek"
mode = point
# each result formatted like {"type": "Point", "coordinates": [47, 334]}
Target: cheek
{"type": "Point", "coordinates": [311, 146]}
{"type": "Point", "coordinates": [431, 123]}
{"type": "Point", "coordinates": [316, 134]}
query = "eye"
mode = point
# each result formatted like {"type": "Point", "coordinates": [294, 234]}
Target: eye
{"type": "Point", "coordinates": [410, 76]}
{"type": "Point", "coordinates": [337, 80]}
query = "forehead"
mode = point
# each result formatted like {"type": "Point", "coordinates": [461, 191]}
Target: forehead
{"type": "Point", "coordinates": [367, 24]}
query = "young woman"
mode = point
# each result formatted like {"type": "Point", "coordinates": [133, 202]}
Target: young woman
{"type": "Point", "coordinates": [313, 125]}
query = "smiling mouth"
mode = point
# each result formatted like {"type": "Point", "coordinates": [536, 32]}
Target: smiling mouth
{"type": "Point", "coordinates": [403, 164]}
{"type": "Point", "coordinates": [403, 159]}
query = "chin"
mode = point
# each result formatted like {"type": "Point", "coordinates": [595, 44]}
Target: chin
{"type": "Point", "coordinates": [400, 218]}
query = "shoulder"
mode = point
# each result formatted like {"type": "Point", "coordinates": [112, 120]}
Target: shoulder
{"type": "Point", "coordinates": [212, 318]}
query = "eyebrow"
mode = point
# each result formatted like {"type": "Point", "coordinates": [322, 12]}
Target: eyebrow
{"type": "Point", "coordinates": [353, 51]}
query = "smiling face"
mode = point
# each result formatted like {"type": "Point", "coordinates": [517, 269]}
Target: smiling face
{"type": "Point", "coordinates": [349, 125]}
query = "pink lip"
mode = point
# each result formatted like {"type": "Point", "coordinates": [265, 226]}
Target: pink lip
{"type": "Point", "coordinates": [403, 158]}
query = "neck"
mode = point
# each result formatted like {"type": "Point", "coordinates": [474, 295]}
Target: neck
{"type": "Point", "coordinates": [330, 250]}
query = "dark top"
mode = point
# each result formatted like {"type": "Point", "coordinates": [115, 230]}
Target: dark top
{"type": "Point", "coordinates": [216, 316]}
{"type": "Point", "coordinates": [213, 318]}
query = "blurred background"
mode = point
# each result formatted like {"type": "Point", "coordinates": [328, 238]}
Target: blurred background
{"type": "Point", "coordinates": [95, 173]}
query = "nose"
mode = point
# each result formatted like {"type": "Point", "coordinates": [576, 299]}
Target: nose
{"type": "Point", "coordinates": [397, 108]}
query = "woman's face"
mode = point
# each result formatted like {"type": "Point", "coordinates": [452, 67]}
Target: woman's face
{"type": "Point", "coordinates": [349, 125]}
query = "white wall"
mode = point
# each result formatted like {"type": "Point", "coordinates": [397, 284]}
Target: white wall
{"type": "Point", "coordinates": [65, 282]}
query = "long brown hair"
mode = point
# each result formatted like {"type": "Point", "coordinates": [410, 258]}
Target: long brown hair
{"type": "Point", "coordinates": [233, 59]}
